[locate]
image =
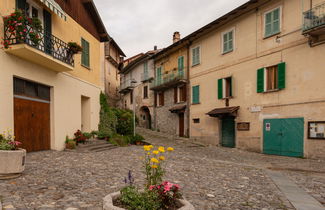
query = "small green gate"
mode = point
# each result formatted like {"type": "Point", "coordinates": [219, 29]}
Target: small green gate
{"type": "Point", "coordinates": [228, 132]}
{"type": "Point", "coordinates": [284, 137]}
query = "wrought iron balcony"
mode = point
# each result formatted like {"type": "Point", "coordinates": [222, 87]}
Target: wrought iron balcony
{"type": "Point", "coordinates": [46, 50]}
{"type": "Point", "coordinates": [169, 80]}
{"type": "Point", "coordinates": [145, 77]}
{"type": "Point", "coordinates": [314, 18]}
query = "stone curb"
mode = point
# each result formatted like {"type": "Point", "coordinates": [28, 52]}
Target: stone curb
{"type": "Point", "coordinates": [108, 203]}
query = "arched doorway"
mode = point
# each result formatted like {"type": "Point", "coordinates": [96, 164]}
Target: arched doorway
{"type": "Point", "coordinates": [145, 117]}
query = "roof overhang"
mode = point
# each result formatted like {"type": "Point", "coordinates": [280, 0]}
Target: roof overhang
{"type": "Point", "coordinates": [224, 111]}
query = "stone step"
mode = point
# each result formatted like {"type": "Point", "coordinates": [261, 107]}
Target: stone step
{"type": "Point", "coordinates": [91, 144]}
{"type": "Point", "coordinates": [104, 149]}
{"type": "Point", "coordinates": [107, 145]}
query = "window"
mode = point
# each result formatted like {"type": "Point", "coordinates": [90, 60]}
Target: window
{"type": "Point", "coordinates": [196, 56]}
{"type": "Point", "coordinates": [31, 89]}
{"type": "Point", "coordinates": [224, 88]}
{"type": "Point", "coordinates": [145, 68]}
{"type": "Point", "coordinates": [161, 99]}
{"type": "Point", "coordinates": [180, 94]}
{"type": "Point", "coordinates": [196, 120]}
{"type": "Point", "coordinates": [181, 65]}
{"type": "Point", "coordinates": [196, 94]}
{"type": "Point", "coordinates": [159, 75]}
{"type": "Point", "coordinates": [271, 78]}
{"type": "Point", "coordinates": [228, 41]}
{"type": "Point", "coordinates": [145, 92]}
{"type": "Point", "coordinates": [272, 22]}
{"type": "Point", "coordinates": [131, 97]}
{"type": "Point", "coordinates": [85, 53]}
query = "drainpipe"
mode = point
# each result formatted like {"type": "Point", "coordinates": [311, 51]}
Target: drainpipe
{"type": "Point", "coordinates": [188, 88]}
{"type": "Point", "coordinates": [155, 98]}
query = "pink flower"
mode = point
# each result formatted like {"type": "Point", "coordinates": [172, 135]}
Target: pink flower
{"type": "Point", "coordinates": [152, 187]}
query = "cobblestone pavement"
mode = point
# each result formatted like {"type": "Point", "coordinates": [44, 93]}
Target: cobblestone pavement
{"type": "Point", "coordinates": [211, 177]}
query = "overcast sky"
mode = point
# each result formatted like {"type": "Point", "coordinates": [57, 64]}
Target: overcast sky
{"type": "Point", "coordinates": [138, 25]}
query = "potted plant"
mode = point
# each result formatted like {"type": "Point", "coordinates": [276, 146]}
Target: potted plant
{"type": "Point", "coordinates": [74, 48]}
{"type": "Point", "coordinates": [79, 137]}
{"type": "Point", "coordinates": [70, 143]}
{"type": "Point", "coordinates": [12, 158]}
{"type": "Point", "coordinates": [157, 194]}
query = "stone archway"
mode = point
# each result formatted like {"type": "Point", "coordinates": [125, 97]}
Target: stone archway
{"type": "Point", "coordinates": [145, 117]}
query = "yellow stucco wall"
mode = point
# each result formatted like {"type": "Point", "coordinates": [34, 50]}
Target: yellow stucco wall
{"type": "Point", "coordinates": [169, 62]}
{"type": "Point", "coordinates": [67, 89]}
{"type": "Point", "coordinates": [304, 67]}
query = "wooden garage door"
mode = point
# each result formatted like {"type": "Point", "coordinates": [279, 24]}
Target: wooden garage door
{"type": "Point", "coordinates": [32, 115]}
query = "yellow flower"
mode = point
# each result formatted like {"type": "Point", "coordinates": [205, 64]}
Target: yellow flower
{"type": "Point", "coordinates": [146, 148]}
{"type": "Point", "coordinates": [154, 166]}
{"type": "Point", "coordinates": [150, 146]}
{"type": "Point", "coordinates": [156, 152]}
{"type": "Point", "coordinates": [161, 158]}
{"type": "Point", "coordinates": [154, 160]}
{"type": "Point", "coordinates": [148, 153]}
{"type": "Point", "coordinates": [170, 149]}
{"type": "Point", "coordinates": [161, 149]}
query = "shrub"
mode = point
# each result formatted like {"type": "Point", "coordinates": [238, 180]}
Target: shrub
{"type": "Point", "coordinates": [136, 138]}
{"type": "Point", "coordinates": [103, 135]}
{"type": "Point", "coordinates": [94, 134]}
{"type": "Point", "coordinates": [125, 122]}
{"type": "Point", "coordinates": [120, 140]}
{"type": "Point", "coordinates": [87, 135]}
{"type": "Point", "coordinates": [107, 123]}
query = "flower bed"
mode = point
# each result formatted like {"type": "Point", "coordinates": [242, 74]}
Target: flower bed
{"type": "Point", "coordinates": [157, 194]}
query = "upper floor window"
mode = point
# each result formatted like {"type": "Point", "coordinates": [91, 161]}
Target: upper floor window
{"type": "Point", "coordinates": [271, 78]}
{"type": "Point", "coordinates": [160, 99]}
{"type": "Point", "coordinates": [145, 92]}
{"type": "Point", "coordinates": [145, 67]}
{"type": "Point", "coordinates": [225, 88]}
{"type": "Point", "coordinates": [159, 74]}
{"type": "Point", "coordinates": [196, 94]}
{"type": "Point", "coordinates": [228, 41]}
{"type": "Point", "coordinates": [272, 21]}
{"type": "Point", "coordinates": [196, 56]}
{"type": "Point", "coordinates": [180, 94]}
{"type": "Point", "coordinates": [85, 53]}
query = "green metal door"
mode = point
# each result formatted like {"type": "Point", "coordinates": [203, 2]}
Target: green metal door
{"type": "Point", "coordinates": [228, 132]}
{"type": "Point", "coordinates": [284, 137]}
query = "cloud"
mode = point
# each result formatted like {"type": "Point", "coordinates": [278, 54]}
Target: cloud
{"type": "Point", "coordinates": [139, 25]}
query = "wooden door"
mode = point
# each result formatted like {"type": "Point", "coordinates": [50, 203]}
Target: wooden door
{"type": "Point", "coordinates": [181, 124]}
{"type": "Point", "coordinates": [32, 123]}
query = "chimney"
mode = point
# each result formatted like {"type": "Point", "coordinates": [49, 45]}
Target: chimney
{"type": "Point", "coordinates": [176, 37]}
{"type": "Point", "coordinates": [155, 47]}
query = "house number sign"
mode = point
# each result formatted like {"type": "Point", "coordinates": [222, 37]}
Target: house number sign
{"type": "Point", "coordinates": [268, 126]}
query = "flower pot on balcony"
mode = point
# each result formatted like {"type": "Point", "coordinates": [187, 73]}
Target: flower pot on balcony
{"type": "Point", "coordinates": [12, 163]}
{"type": "Point", "coordinates": [108, 203]}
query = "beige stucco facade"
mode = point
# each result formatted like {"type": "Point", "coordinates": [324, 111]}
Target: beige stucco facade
{"type": "Point", "coordinates": [302, 96]}
{"type": "Point", "coordinates": [74, 94]}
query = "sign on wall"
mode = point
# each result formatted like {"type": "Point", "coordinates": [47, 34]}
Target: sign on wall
{"type": "Point", "coordinates": [267, 126]}
{"type": "Point", "coordinates": [316, 130]}
{"type": "Point", "coordinates": [243, 126]}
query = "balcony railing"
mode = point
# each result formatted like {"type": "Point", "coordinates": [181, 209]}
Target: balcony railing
{"type": "Point", "coordinates": [145, 77]}
{"type": "Point", "coordinates": [47, 43]}
{"type": "Point", "coordinates": [314, 18]}
{"type": "Point", "coordinates": [168, 80]}
{"type": "Point", "coordinates": [126, 86]}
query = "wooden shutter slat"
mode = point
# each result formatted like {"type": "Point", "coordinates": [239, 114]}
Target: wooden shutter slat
{"type": "Point", "coordinates": [260, 80]}
{"type": "Point", "coordinates": [281, 75]}
{"type": "Point", "coordinates": [184, 91]}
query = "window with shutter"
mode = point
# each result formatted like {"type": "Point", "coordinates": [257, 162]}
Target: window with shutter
{"type": "Point", "coordinates": [225, 88]}
{"type": "Point", "coordinates": [271, 78]}
{"type": "Point", "coordinates": [159, 76]}
{"type": "Point", "coordinates": [228, 41]}
{"type": "Point", "coordinates": [196, 56]}
{"type": "Point", "coordinates": [272, 22]}
{"type": "Point", "coordinates": [196, 94]}
{"type": "Point", "coordinates": [85, 53]}
{"type": "Point", "coordinates": [181, 65]}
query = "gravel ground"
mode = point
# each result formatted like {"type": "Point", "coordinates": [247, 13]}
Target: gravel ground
{"type": "Point", "coordinates": [210, 177]}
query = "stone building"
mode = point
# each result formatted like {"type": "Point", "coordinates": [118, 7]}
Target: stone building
{"type": "Point", "coordinates": [113, 64]}
{"type": "Point", "coordinates": [135, 79]}
{"type": "Point", "coordinates": [170, 86]}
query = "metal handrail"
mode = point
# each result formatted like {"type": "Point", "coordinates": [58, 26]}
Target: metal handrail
{"type": "Point", "coordinates": [170, 77]}
{"type": "Point", "coordinates": [49, 44]}
{"type": "Point", "coordinates": [314, 17]}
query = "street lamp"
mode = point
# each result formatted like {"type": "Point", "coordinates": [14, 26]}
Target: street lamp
{"type": "Point", "coordinates": [133, 82]}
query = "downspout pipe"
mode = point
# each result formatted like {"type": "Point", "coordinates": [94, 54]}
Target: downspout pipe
{"type": "Point", "coordinates": [188, 86]}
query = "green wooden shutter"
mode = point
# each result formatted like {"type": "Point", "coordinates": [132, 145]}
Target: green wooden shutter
{"type": "Point", "coordinates": [220, 90]}
{"type": "Point", "coordinates": [180, 65]}
{"type": "Point", "coordinates": [85, 53]}
{"type": "Point", "coordinates": [276, 21]}
{"type": "Point", "coordinates": [230, 41]}
{"type": "Point", "coordinates": [21, 4]}
{"type": "Point", "coordinates": [260, 80]}
{"type": "Point", "coordinates": [281, 75]}
{"type": "Point", "coordinates": [196, 94]}
{"type": "Point", "coordinates": [225, 42]}
{"type": "Point", "coordinates": [268, 24]}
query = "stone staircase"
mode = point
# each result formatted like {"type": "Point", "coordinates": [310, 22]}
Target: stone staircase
{"type": "Point", "coordinates": [95, 145]}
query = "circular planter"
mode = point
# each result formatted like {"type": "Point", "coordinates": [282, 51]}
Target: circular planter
{"type": "Point", "coordinates": [108, 203]}
{"type": "Point", "coordinates": [12, 163]}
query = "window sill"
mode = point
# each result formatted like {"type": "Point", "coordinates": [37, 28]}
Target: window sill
{"type": "Point", "coordinates": [180, 102]}
{"type": "Point", "coordinates": [193, 65]}
{"type": "Point", "coordinates": [271, 35]}
{"type": "Point", "coordinates": [271, 91]}
{"type": "Point", "coordinates": [227, 52]}
{"type": "Point", "coordinates": [87, 67]}
{"type": "Point", "coordinates": [229, 97]}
